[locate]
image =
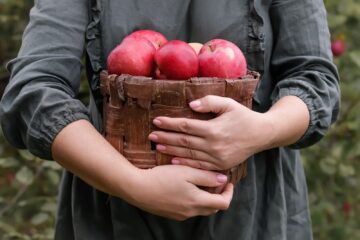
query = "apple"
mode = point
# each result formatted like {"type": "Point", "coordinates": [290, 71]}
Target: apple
{"type": "Point", "coordinates": [346, 207]}
{"type": "Point", "coordinates": [338, 47]}
{"type": "Point", "coordinates": [156, 38]}
{"type": "Point", "coordinates": [176, 60]}
{"type": "Point", "coordinates": [196, 46]}
{"type": "Point", "coordinates": [134, 56]}
{"type": "Point", "coordinates": [221, 58]}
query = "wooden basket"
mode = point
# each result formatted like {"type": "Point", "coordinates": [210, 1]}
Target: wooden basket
{"type": "Point", "coordinates": [132, 102]}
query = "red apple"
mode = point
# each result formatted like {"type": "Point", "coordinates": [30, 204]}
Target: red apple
{"type": "Point", "coordinates": [338, 47]}
{"type": "Point", "coordinates": [221, 58]}
{"type": "Point", "coordinates": [196, 46]}
{"type": "Point", "coordinates": [177, 60]}
{"type": "Point", "coordinates": [346, 207]}
{"type": "Point", "coordinates": [134, 56]}
{"type": "Point", "coordinates": [156, 38]}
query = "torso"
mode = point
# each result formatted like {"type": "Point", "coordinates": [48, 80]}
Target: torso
{"type": "Point", "coordinates": [259, 205]}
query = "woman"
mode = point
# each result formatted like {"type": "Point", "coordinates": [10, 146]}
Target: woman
{"type": "Point", "coordinates": [102, 196]}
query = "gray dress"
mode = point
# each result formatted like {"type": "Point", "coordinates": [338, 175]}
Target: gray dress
{"type": "Point", "coordinates": [286, 41]}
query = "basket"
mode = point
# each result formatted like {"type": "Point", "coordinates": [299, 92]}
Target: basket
{"type": "Point", "coordinates": [132, 102]}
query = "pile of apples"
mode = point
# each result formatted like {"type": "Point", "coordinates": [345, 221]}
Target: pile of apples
{"type": "Point", "coordinates": [148, 53]}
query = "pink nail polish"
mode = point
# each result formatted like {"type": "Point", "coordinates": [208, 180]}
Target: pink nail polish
{"type": "Point", "coordinates": [221, 178]}
{"type": "Point", "coordinates": [195, 104]}
{"type": "Point", "coordinates": [160, 147]}
{"type": "Point", "coordinates": [153, 137]}
{"type": "Point", "coordinates": [156, 122]}
{"type": "Point", "coordinates": [175, 161]}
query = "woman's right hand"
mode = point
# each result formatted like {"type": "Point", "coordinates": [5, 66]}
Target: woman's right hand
{"type": "Point", "coordinates": [173, 191]}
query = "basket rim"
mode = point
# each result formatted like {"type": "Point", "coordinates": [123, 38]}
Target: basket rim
{"type": "Point", "coordinates": [249, 77]}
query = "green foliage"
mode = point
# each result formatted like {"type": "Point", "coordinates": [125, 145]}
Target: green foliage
{"type": "Point", "coordinates": [28, 185]}
{"type": "Point", "coordinates": [28, 188]}
{"type": "Point", "coordinates": [333, 165]}
{"type": "Point", "coordinates": [13, 19]}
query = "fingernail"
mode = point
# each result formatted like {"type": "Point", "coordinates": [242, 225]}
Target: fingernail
{"type": "Point", "coordinates": [156, 122]}
{"type": "Point", "coordinates": [160, 147]}
{"type": "Point", "coordinates": [153, 137]}
{"type": "Point", "coordinates": [195, 104]}
{"type": "Point", "coordinates": [221, 178]}
{"type": "Point", "coordinates": [175, 161]}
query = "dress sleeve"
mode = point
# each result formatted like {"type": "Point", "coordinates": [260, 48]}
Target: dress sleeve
{"type": "Point", "coordinates": [40, 98]}
{"type": "Point", "coordinates": [302, 63]}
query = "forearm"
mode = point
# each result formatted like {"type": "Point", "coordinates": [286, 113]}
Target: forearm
{"type": "Point", "coordinates": [83, 151]}
{"type": "Point", "coordinates": [289, 119]}
{"type": "Point", "coordinates": [167, 191]}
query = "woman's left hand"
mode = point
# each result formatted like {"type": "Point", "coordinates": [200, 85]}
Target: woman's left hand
{"type": "Point", "coordinates": [217, 144]}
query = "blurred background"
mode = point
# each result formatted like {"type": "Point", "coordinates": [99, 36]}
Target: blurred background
{"type": "Point", "coordinates": [28, 185]}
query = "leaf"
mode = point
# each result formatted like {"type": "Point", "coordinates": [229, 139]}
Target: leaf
{"type": "Point", "coordinates": [16, 236]}
{"type": "Point", "coordinates": [346, 7]}
{"type": "Point", "coordinates": [25, 176]}
{"type": "Point", "coordinates": [49, 207]}
{"type": "Point", "coordinates": [49, 232]}
{"type": "Point", "coordinates": [336, 153]}
{"type": "Point", "coordinates": [39, 218]}
{"type": "Point", "coordinates": [53, 177]}
{"type": "Point", "coordinates": [25, 154]}
{"type": "Point", "coordinates": [346, 170]}
{"type": "Point", "coordinates": [23, 203]}
{"type": "Point", "coordinates": [312, 198]}
{"type": "Point", "coordinates": [353, 125]}
{"type": "Point", "coordinates": [355, 57]}
{"type": "Point", "coordinates": [52, 165]}
{"type": "Point", "coordinates": [6, 227]}
{"type": "Point", "coordinates": [353, 182]}
{"type": "Point", "coordinates": [327, 168]}
{"type": "Point", "coordinates": [336, 20]}
{"type": "Point", "coordinates": [9, 162]}
{"type": "Point", "coordinates": [329, 208]}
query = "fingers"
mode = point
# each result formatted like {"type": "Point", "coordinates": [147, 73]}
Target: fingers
{"type": "Point", "coordinates": [218, 201]}
{"type": "Point", "coordinates": [187, 198]}
{"type": "Point", "coordinates": [204, 178]}
{"type": "Point", "coordinates": [195, 164]}
{"type": "Point", "coordinates": [184, 125]}
{"type": "Point", "coordinates": [188, 153]}
{"type": "Point", "coordinates": [178, 139]}
{"type": "Point", "coordinates": [213, 104]}
{"type": "Point", "coordinates": [228, 192]}
{"type": "Point", "coordinates": [196, 127]}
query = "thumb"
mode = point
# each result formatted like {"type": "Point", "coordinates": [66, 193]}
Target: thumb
{"type": "Point", "coordinates": [213, 104]}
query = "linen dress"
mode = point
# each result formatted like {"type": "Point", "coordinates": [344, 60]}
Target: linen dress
{"type": "Point", "coordinates": [288, 42]}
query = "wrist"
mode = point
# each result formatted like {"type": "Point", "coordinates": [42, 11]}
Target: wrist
{"type": "Point", "coordinates": [268, 131]}
{"type": "Point", "coordinates": [134, 186]}
{"type": "Point", "coordinates": [271, 131]}
{"type": "Point", "coordinates": [287, 121]}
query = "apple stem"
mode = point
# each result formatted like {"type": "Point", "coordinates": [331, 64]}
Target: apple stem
{"type": "Point", "coordinates": [211, 47]}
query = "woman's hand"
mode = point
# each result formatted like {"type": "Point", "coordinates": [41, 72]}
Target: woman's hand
{"type": "Point", "coordinates": [218, 144]}
{"type": "Point", "coordinates": [171, 191]}
{"type": "Point", "coordinates": [233, 136]}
